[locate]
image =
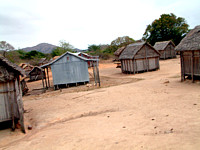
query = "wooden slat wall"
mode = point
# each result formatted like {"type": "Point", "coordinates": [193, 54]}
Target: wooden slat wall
{"type": "Point", "coordinates": [190, 64]}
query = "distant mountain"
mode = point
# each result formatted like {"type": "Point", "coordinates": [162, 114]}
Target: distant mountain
{"type": "Point", "coordinates": [42, 47]}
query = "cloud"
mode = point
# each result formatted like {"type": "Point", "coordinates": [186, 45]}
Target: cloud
{"type": "Point", "coordinates": [81, 23]}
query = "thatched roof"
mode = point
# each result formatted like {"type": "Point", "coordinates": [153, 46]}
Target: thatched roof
{"type": "Point", "coordinates": [162, 45]}
{"type": "Point", "coordinates": [43, 60]}
{"type": "Point", "coordinates": [36, 67]}
{"type": "Point", "coordinates": [191, 41]}
{"type": "Point", "coordinates": [131, 49]}
{"type": "Point", "coordinates": [16, 68]}
{"type": "Point", "coordinates": [119, 51]}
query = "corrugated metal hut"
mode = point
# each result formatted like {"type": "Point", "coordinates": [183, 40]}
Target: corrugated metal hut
{"type": "Point", "coordinates": [139, 57]}
{"type": "Point", "coordinates": [166, 49]}
{"type": "Point", "coordinates": [189, 49]}
{"type": "Point", "coordinates": [11, 105]}
{"type": "Point", "coordinates": [69, 68]}
{"type": "Point", "coordinates": [36, 73]}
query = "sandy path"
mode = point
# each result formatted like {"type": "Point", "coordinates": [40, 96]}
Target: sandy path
{"type": "Point", "coordinates": [148, 114]}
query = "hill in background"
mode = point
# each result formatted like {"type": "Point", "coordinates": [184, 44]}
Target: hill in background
{"type": "Point", "coordinates": [47, 48]}
{"type": "Point", "coordinates": [42, 47]}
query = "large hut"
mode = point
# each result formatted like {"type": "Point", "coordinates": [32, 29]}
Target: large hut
{"type": "Point", "coordinates": [11, 105]}
{"type": "Point", "coordinates": [189, 49]}
{"type": "Point", "coordinates": [166, 49]}
{"type": "Point", "coordinates": [71, 69]}
{"type": "Point", "coordinates": [139, 57]}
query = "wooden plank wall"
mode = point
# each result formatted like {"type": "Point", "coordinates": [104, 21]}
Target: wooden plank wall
{"type": "Point", "coordinates": [190, 64]}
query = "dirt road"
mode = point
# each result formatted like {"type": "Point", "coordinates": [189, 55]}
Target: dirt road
{"type": "Point", "coordinates": [155, 112]}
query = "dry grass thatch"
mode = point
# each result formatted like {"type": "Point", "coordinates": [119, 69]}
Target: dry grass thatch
{"type": "Point", "coordinates": [131, 50]}
{"type": "Point", "coordinates": [119, 51]}
{"type": "Point", "coordinates": [11, 65]}
{"type": "Point", "coordinates": [191, 41]}
{"type": "Point", "coordinates": [162, 45]}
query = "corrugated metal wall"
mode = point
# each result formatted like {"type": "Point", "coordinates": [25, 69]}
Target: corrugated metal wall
{"type": "Point", "coordinates": [69, 69]}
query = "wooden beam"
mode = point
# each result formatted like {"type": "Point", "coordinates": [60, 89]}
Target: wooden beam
{"type": "Point", "coordinates": [192, 66]}
{"type": "Point", "coordinates": [147, 61]}
{"type": "Point", "coordinates": [182, 67]}
{"type": "Point", "coordinates": [122, 65]}
{"type": "Point", "coordinates": [48, 76]}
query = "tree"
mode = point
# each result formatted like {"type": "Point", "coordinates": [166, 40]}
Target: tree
{"type": "Point", "coordinates": [4, 46]}
{"type": "Point", "coordinates": [63, 47]}
{"type": "Point", "coordinates": [66, 46]}
{"type": "Point", "coordinates": [93, 48]}
{"type": "Point", "coordinates": [120, 41]}
{"type": "Point", "coordinates": [167, 27]}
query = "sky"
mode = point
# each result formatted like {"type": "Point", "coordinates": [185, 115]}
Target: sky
{"type": "Point", "coordinates": [26, 23]}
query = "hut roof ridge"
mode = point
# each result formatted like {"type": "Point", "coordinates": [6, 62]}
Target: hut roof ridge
{"type": "Point", "coordinates": [12, 65]}
{"type": "Point", "coordinates": [131, 50]}
{"type": "Point", "coordinates": [162, 45]}
{"type": "Point", "coordinates": [191, 41]}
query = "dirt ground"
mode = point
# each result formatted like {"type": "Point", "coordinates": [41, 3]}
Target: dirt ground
{"type": "Point", "coordinates": [151, 110]}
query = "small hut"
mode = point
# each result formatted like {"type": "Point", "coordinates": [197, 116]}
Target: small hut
{"type": "Point", "coordinates": [189, 49]}
{"type": "Point", "coordinates": [36, 73]}
{"type": "Point", "coordinates": [139, 57]}
{"type": "Point", "coordinates": [166, 49]}
{"type": "Point", "coordinates": [11, 105]}
{"type": "Point", "coordinates": [117, 53]}
{"type": "Point", "coordinates": [70, 68]}
{"type": "Point", "coordinates": [27, 67]}
{"type": "Point", "coordinates": [43, 61]}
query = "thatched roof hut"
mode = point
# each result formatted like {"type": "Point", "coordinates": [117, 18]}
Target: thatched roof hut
{"type": "Point", "coordinates": [119, 51]}
{"type": "Point", "coordinates": [11, 105]}
{"type": "Point", "coordinates": [166, 49]}
{"type": "Point", "coordinates": [139, 57]}
{"type": "Point", "coordinates": [36, 73]}
{"type": "Point", "coordinates": [189, 49]}
{"type": "Point", "coordinates": [191, 42]}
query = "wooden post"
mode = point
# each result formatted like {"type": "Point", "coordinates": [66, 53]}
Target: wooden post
{"type": "Point", "coordinates": [122, 65]}
{"type": "Point", "coordinates": [94, 73]}
{"type": "Point", "coordinates": [192, 66]}
{"type": "Point", "coordinates": [45, 79]}
{"type": "Point", "coordinates": [182, 67]}
{"type": "Point", "coordinates": [164, 54]}
{"type": "Point", "coordinates": [98, 73]}
{"type": "Point", "coordinates": [147, 62]}
{"type": "Point", "coordinates": [134, 66]}
{"type": "Point", "coordinates": [48, 76]}
{"type": "Point", "coordinates": [20, 103]}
